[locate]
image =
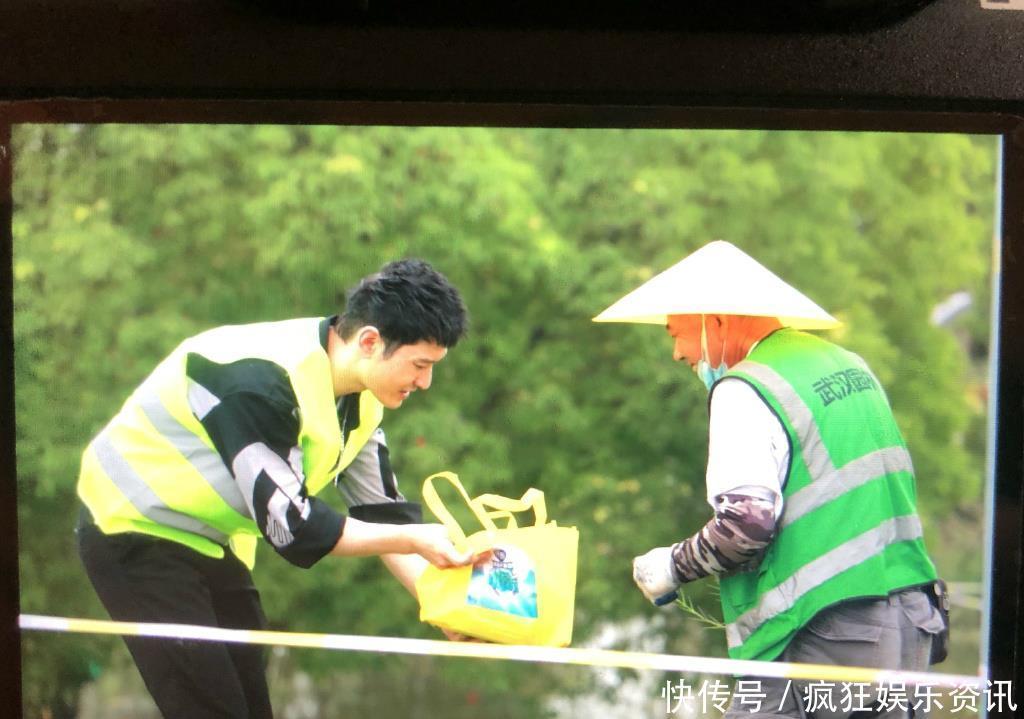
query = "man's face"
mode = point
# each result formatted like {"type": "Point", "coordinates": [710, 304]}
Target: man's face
{"type": "Point", "coordinates": [407, 369]}
{"type": "Point", "coordinates": [685, 332]}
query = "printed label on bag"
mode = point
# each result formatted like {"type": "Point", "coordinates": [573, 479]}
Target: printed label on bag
{"type": "Point", "coordinates": [506, 581]}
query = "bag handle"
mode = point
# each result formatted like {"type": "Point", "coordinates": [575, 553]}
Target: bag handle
{"type": "Point", "coordinates": [486, 508]}
{"type": "Point", "coordinates": [433, 501]}
{"type": "Point", "coordinates": [532, 499]}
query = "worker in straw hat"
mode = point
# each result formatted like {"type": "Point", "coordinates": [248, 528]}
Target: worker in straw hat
{"type": "Point", "coordinates": [815, 536]}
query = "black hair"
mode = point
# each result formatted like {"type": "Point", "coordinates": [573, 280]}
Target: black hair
{"type": "Point", "coordinates": [408, 301]}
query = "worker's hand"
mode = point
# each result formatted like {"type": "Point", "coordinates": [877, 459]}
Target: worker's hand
{"type": "Point", "coordinates": [431, 542]}
{"type": "Point", "coordinates": [653, 573]}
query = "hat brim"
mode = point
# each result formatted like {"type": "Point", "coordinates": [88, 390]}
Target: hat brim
{"type": "Point", "coordinates": [718, 279]}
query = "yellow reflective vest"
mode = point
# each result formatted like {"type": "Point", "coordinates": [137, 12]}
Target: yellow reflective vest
{"type": "Point", "coordinates": [153, 469]}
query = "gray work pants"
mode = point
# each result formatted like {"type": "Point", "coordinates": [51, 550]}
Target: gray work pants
{"type": "Point", "coordinates": [890, 633]}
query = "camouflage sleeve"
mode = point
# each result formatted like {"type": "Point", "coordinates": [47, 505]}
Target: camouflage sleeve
{"type": "Point", "coordinates": [741, 529]}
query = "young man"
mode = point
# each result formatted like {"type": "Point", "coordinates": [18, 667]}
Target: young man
{"type": "Point", "coordinates": [227, 440]}
{"type": "Point", "coordinates": [815, 537]}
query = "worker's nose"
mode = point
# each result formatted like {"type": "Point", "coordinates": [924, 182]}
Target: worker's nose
{"type": "Point", "coordinates": [425, 378]}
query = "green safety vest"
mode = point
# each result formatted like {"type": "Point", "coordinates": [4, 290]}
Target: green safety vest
{"type": "Point", "coordinates": [849, 527]}
{"type": "Point", "coordinates": [153, 469]}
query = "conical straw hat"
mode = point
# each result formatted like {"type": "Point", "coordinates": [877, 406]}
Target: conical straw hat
{"type": "Point", "coordinates": [718, 279]}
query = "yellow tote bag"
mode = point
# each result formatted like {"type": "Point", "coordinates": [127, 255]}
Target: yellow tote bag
{"type": "Point", "coordinates": [523, 593]}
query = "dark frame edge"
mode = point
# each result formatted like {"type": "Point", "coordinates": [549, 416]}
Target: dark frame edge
{"type": "Point", "coordinates": [1006, 643]}
{"type": "Point", "coordinates": [563, 114]}
{"type": "Point", "coordinates": [10, 636]}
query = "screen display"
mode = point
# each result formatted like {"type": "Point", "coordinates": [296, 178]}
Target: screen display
{"type": "Point", "coordinates": [127, 239]}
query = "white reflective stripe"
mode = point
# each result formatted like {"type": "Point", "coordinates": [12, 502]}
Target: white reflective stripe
{"type": "Point", "coordinates": [141, 496]}
{"type": "Point", "coordinates": [361, 481]}
{"type": "Point", "coordinates": [812, 450]}
{"type": "Point", "coordinates": [257, 458]}
{"type": "Point", "coordinates": [205, 460]}
{"type": "Point", "coordinates": [733, 638]}
{"type": "Point", "coordinates": [201, 399]}
{"type": "Point", "coordinates": [812, 575]}
{"type": "Point", "coordinates": [295, 461]}
{"type": "Point", "coordinates": [277, 520]}
{"type": "Point", "coordinates": [850, 476]}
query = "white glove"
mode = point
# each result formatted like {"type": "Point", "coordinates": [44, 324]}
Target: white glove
{"type": "Point", "coordinates": [654, 575]}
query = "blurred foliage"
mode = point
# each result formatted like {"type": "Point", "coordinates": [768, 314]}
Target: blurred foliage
{"type": "Point", "coordinates": [129, 238]}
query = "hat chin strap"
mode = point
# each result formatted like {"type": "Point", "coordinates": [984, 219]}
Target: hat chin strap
{"type": "Point", "coordinates": [704, 344]}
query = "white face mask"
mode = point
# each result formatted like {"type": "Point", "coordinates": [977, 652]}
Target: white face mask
{"type": "Point", "coordinates": [708, 374]}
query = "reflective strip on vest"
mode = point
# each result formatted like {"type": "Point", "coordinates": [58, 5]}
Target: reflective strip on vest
{"type": "Point", "coordinates": [846, 479]}
{"type": "Point", "coordinates": [371, 412]}
{"type": "Point", "coordinates": [831, 482]}
{"type": "Point", "coordinates": [141, 496]}
{"type": "Point", "coordinates": [207, 462]}
{"type": "Point", "coordinates": [844, 557]}
{"type": "Point", "coordinates": [815, 454]}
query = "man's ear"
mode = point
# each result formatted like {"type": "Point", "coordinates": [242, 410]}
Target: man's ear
{"type": "Point", "coordinates": [368, 339]}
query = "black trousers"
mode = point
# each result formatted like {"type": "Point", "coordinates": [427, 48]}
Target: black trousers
{"type": "Point", "coordinates": [140, 578]}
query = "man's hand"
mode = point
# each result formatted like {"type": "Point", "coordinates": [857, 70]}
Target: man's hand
{"type": "Point", "coordinates": [431, 542]}
{"type": "Point", "coordinates": [655, 577]}
{"type": "Point", "coordinates": [454, 636]}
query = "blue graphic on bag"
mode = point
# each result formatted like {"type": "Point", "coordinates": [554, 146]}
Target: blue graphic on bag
{"type": "Point", "coordinates": [506, 582]}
